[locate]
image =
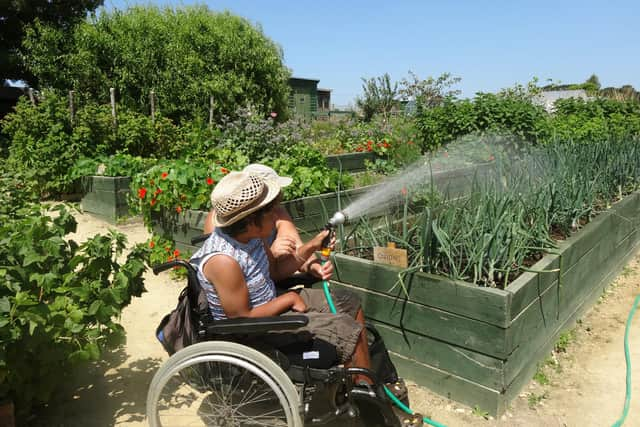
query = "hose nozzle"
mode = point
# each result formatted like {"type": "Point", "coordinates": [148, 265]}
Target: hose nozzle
{"type": "Point", "coordinates": [337, 219]}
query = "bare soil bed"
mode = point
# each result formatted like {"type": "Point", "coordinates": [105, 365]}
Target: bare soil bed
{"type": "Point", "coordinates": [585, 383]}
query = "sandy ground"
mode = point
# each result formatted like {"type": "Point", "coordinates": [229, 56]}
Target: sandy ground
{"type": "Point", "coordinates": [586, 382]}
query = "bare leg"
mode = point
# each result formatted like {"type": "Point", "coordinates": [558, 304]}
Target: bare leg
{"type": "Point", "coordinates": [360, 358]}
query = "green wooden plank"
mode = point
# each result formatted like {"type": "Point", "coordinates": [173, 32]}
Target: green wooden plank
{"type": "Point", "coordinates": [450, 386]}
{"type": "Point", "coordinates": [437, 324]}
{"type": "Point", "coordinates": [476, 367]}
{"type": "Point", "coordinates": [457, 297]}
{"type": "Point", "coordinates": [608, 226]}
{"type": "Point", "coordinates": [350, 162]}
{"type": "Point", "coordinates": [529, 286]}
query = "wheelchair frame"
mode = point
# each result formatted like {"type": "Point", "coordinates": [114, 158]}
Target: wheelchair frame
{"type": "Point", "coordinates": [307, 396]}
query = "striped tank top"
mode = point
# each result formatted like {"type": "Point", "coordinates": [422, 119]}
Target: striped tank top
{"type": "Point", "coordinates": [253, 263]}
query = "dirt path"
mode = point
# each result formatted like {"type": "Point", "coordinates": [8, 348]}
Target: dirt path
{"type": "Point", "coordinates": [586, 382]}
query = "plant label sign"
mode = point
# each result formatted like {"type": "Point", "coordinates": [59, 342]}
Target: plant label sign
{"type": "Point", "coordinates": [390, 255]}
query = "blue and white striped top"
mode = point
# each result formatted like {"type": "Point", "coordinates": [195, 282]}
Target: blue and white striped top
{"type": "Point", "coordinates": [253, 263]}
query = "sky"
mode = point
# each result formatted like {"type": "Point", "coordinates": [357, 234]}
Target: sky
{"type": "Point", "coordinates": [488, 44]}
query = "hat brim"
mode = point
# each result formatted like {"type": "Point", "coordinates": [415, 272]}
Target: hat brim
{"type": "Point", "coordinates": [273, 189]}
{"type": "Point", "coordinates": [284, 181]}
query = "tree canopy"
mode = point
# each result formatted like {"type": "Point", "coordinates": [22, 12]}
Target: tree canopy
{"type": "Point", "coordinates": [184, 55]}
{"type": "Point", "coordinates": [18, 14]}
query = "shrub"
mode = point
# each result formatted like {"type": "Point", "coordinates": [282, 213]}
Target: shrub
{"type": "Point", "coordinates": [41, 143]}
{"type": "Point", "coordinates": [58, 301]}
{"type": "Point", "coordinates": [184, 55]}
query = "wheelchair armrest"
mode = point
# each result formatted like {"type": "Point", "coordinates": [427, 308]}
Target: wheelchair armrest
{"type": "Point", "coordinates": [258, 325]}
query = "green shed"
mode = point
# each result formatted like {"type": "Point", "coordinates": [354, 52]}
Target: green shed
{"type": "Point", "coordinates": [303, 98]}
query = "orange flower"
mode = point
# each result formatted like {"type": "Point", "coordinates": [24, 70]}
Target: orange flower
{"type": "Point", "coordinates": [369, 148]}
{"type": "Point", "coordinates": [386, 144]}
{"type": "Point", "coordinates": [176, 253]}
{"type": "Point", "coordinates": [158, 191]}
{"type": "Point", "coordinates": [167, 249]}
{"type": "Point", "coordinates": [169, 258]}
{"type": "Point", "coordinates": [210, 181]}
{"type": "Point", "coordinates": [152, 244]}
{"type": "Point", "coordinates": [224, 170]}
{"type": "Point", "coordinates": [153, 201]}
{"type": "Point", "coordinates": [359, 149]}
{"type": "Point", "coordinates": [179, 209]}
{"type": "Point", "coordinates": [142, 192]}
{"type": "Point", "coordinates": [164, 175]}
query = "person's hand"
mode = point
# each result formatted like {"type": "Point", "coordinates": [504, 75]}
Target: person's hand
{"type": "Point", "coordinates": [321, 271]}
{"type": "Point", "coordinates": [283, 246]}
{"type": "Point", "coordinates": [297, 303]}
{"type": "Point", "coordinates": [318, 238]}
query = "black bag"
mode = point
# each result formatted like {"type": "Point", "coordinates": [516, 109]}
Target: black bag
{"type": "Point", "coordinates": [179, 328]}
{"type": "Point", "coordinates": [381, 363]}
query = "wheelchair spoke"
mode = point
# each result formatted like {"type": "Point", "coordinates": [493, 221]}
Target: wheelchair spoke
{"type": "Point", "coordinates": [221, 391]}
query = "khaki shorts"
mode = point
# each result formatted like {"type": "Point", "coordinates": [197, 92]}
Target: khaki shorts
{"type": "Point", "coordinates": [340, 330]}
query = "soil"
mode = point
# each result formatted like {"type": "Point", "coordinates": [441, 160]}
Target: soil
{"type": "Point", "coordinates": [586, 377]}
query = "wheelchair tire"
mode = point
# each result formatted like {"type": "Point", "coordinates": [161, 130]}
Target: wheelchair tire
{"type": "Point", "coordinates": [219, 383]}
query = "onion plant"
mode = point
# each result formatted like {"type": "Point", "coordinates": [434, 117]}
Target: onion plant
{"type": "Point", "coordinates": [508, 217]}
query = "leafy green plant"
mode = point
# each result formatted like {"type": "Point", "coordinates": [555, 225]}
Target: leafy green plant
{"type": "Point", "coordinates": [58, 301]}
{"type": "Point", "coordinates": [173, 186]}
{"type": "Point", "coordinates": [479, 412]}
{"type": "Point", "coordinates": [115, 165]}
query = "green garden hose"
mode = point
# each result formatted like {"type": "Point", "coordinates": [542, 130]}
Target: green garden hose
{"type": "Point", "coordinates": [627, 358]}
{"type": "Point", "coordinates": [394, 399]}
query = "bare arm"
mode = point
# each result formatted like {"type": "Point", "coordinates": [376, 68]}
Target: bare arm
{"type": "Point", "coordinates": [208, 223]}
{"type": "Point", "coordinates": [225, 273]}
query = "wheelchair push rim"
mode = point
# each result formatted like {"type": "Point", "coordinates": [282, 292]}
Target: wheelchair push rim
{"type": "Point", "coordinates": [222, 383]}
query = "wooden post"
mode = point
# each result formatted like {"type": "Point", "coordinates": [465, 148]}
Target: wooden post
{"type": "Point", "coordinates": [112, 92]}
{"type": "Point", "coordinates": [72, 110]}
{"type": "Point", "coordinates": [152, 102]}
{"type": "Point", "coordinates": [211, 111]}
{"type": "Point", "coordinates": [32, 96]}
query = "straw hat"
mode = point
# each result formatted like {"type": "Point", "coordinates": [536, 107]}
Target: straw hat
{"type": "Point", "coordinates": [239, 194]}
{"type": "Point", "coordinates": [266, 173]}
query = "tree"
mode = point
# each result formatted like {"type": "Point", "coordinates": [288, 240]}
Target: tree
{"type": "Point", "coordinates": [430, 92]}
{"type": "Point", "coordinates": [18, 14]}
{"type": "Point", "coordinates": [184, 55]}
{"type": "Point", "coordinates": [379, 96]}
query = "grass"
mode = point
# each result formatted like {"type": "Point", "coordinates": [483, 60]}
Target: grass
{"type": "Point", "coordinates": [535, 399]}
{"type": "Point", "coordinates": [540, 376]}
{"type": "Point", "coordinates": [564, 340]}
{"type": "Point", "coordinates": [479, 412]}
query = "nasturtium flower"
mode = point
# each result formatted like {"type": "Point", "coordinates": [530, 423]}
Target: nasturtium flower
{"type": "Point", "coordinates": [142, 192]}
{"type": "Point", "coordinates": [179, 209]}
{"type": "Point", "coordinates": [176, 253]}
{"type": "Point", "coordinates": [153, 201]}
{"type": "Point", "coordinates": [224, 170]}
{"type": "Point", "coordinates": [152, 244]}
{"type": "Point", "coordinates": [210, 181]}
{"type": "Point", "coordinates": [164, 175]}
{"type": "Point", "coordinates": [158, 191]}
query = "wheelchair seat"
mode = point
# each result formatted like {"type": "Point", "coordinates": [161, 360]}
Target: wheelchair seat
{"type": "Point", "coordinates": [233, 378]}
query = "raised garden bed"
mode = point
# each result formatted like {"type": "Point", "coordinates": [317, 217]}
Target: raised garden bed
{"type": "Point", "coordinates": [350, 162]}
{"type": "Point", "coordinates": [480, 346]}
{"type": "Point", "coordinates": [106, 196]}
{"type": "Point", "coordinates": [309, 214]}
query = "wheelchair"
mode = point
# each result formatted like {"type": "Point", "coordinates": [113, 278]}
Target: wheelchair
{"type": "Point", "coordinates": [231, 379]}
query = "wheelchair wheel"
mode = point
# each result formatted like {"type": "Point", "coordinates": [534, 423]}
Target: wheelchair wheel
{"type": "Point", "coordinates": [219, 383]}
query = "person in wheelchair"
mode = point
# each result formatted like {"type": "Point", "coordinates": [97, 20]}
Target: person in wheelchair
{"type": "Point", "coordinates": [285, 240]}
{"type": "Point", "coordinates": [237, 270]}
